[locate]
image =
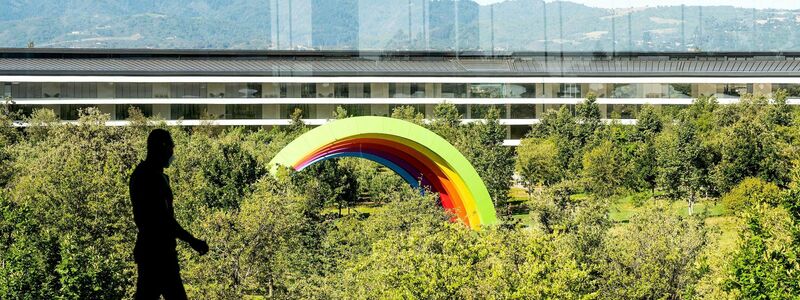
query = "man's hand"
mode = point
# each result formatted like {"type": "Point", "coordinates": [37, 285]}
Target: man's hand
{"type": "Point", "coordinates": [200, 246]}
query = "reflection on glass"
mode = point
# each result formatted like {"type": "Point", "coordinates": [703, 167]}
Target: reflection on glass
{"type": "Point", "coordinates": [733, 90]}
{"type": "Point", "coordinates": [680, 90]}
{"type": "Point", "coordinates": [520, 90]}
{"type": "Point", "coordinates": [569, 90]}
{"type": "Point", "coordinates": [454, 90]}
{"type": "Point", "coordinates": [623, 90]}
{"type": "Point", "coordinates": [308, 90]}
{"type": "Point", "coordinates": [486, 90]}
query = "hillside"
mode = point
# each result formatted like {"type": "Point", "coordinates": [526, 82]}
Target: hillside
{"type": "Point", "coordinates": [518, 25]}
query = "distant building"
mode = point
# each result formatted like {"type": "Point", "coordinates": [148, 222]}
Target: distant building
{"type": "Point", "coordinates": [334, 24]}
{"type": "Point", "coordinates": [262, 88]}
{"type": "Point", "coordinates": [454, 25]}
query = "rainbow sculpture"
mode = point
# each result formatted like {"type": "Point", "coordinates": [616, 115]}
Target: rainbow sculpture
{"type": "Point", "coordinates": [417, 154]}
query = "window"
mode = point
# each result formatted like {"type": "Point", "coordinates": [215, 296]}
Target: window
{"type": "Point", "coordinates": [70, 111]}
{"type": "Point", "coordinates": [188, 90]}
{"type": "Point", "coordinates": [519, 131]}
{"type": "Point", "coordinates": [480, 111]}
{"type": "Point", "coordinates": [78, 90]}
{"type": "Point", "coordinates": [623, 90]}
{"type": "Point", "coordinates": [569, 90]}
{"type": "Point", "coordinates": [399, 90]}
{"type": "Point", "coordinates": [793, 90]}
{"type": "Point", "coordinates": [417, 90]}
{"type": "Point", "coordinates": [622, 111]}
{"type": "Point", "coordinates": [133, 90]}
{"type": "Point", "coordinates": [243, 90]}
{"type": "Point", "coordinates": [486, 90]}
{"type": "Point", "coordinates": [367, 90]}
{"type": "Point", "coordinates": [187, 111]}
{"type": "Point", "coordinates": [523, 111]}
{"type": "Point", "coordinates": [521, 90]}
{"type": "Point", "coordinates": [27, 90]}
{"type": "Point", "coordinates": [6, 89]}
{"type": "Point", "coordinates": [242, 111]}
{"type": "Point", "coordinates": [454, 90]}
{"type": "Point", "coordinates": [680, 90]}
{"type": "Point", "coordinates": [341, 90]}
{"type": "Point", "coordinates": [122, 110]}
{"type": "Point", "coordinates": [733, 90]}
{"type": "Point", "coordinates": [308, 90]}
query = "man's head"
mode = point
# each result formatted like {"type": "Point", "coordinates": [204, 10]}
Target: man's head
{"type": "Point", "coordinates": [160, 147]}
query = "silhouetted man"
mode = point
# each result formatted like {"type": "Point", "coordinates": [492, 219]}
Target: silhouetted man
{"type": "Point", "coordinates": [153, 213]}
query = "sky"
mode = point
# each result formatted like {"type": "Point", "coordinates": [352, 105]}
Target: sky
{"type": "Point", "coordinates": [781, 4]}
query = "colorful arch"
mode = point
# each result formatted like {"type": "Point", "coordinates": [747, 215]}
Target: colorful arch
{"type": "Point", "coordinates": [418, 155]}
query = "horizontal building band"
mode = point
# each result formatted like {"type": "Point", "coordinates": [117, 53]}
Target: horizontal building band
{"type": "Point", "coordinates": [416, 92]}
{"type": "Point", "coordinates": [637, 78]}
{"type": "Point", "coordinates": [393, 101]}
{"type": "Point", "coordinates": [511, 142]}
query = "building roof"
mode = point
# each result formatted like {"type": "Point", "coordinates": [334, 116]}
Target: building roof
{"type": "Point", "coordinates": [149, 62]}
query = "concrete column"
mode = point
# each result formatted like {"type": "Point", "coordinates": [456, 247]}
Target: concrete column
{"type": "Point", "coordinates": [380, 90]}
{"type": "Point", "coordinates": [762, 89]}
{"type": "Point", "coordinates": [430, 90]}
{"type": "Point", "coordinates": [707, 89]}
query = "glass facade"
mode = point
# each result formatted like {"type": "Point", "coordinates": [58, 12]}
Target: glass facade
{"type": "Point", "coordinates": [525, 101]}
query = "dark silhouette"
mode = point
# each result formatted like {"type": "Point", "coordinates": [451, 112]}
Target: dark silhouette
{"type": "Point", "coordinates": [151, 196]}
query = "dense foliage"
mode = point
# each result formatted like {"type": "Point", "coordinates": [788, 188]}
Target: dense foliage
{"type": "Point", "coordinates": [349, 228]}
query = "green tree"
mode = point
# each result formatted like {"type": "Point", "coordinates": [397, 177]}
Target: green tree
{"type": "Point", "coordinates": [408, 113]}
{"type": "Point", "coordinates": [536, 163]}
{"type": "Point", "coordinates": [655, 256]}
{"type": "Point", "coordinates": [682, 166]}
{"type": "Point", "coordinates": [605, 170]}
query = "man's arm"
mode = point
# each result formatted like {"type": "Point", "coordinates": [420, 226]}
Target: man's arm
{"type": "Point", "coordinates": [198, 245]}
